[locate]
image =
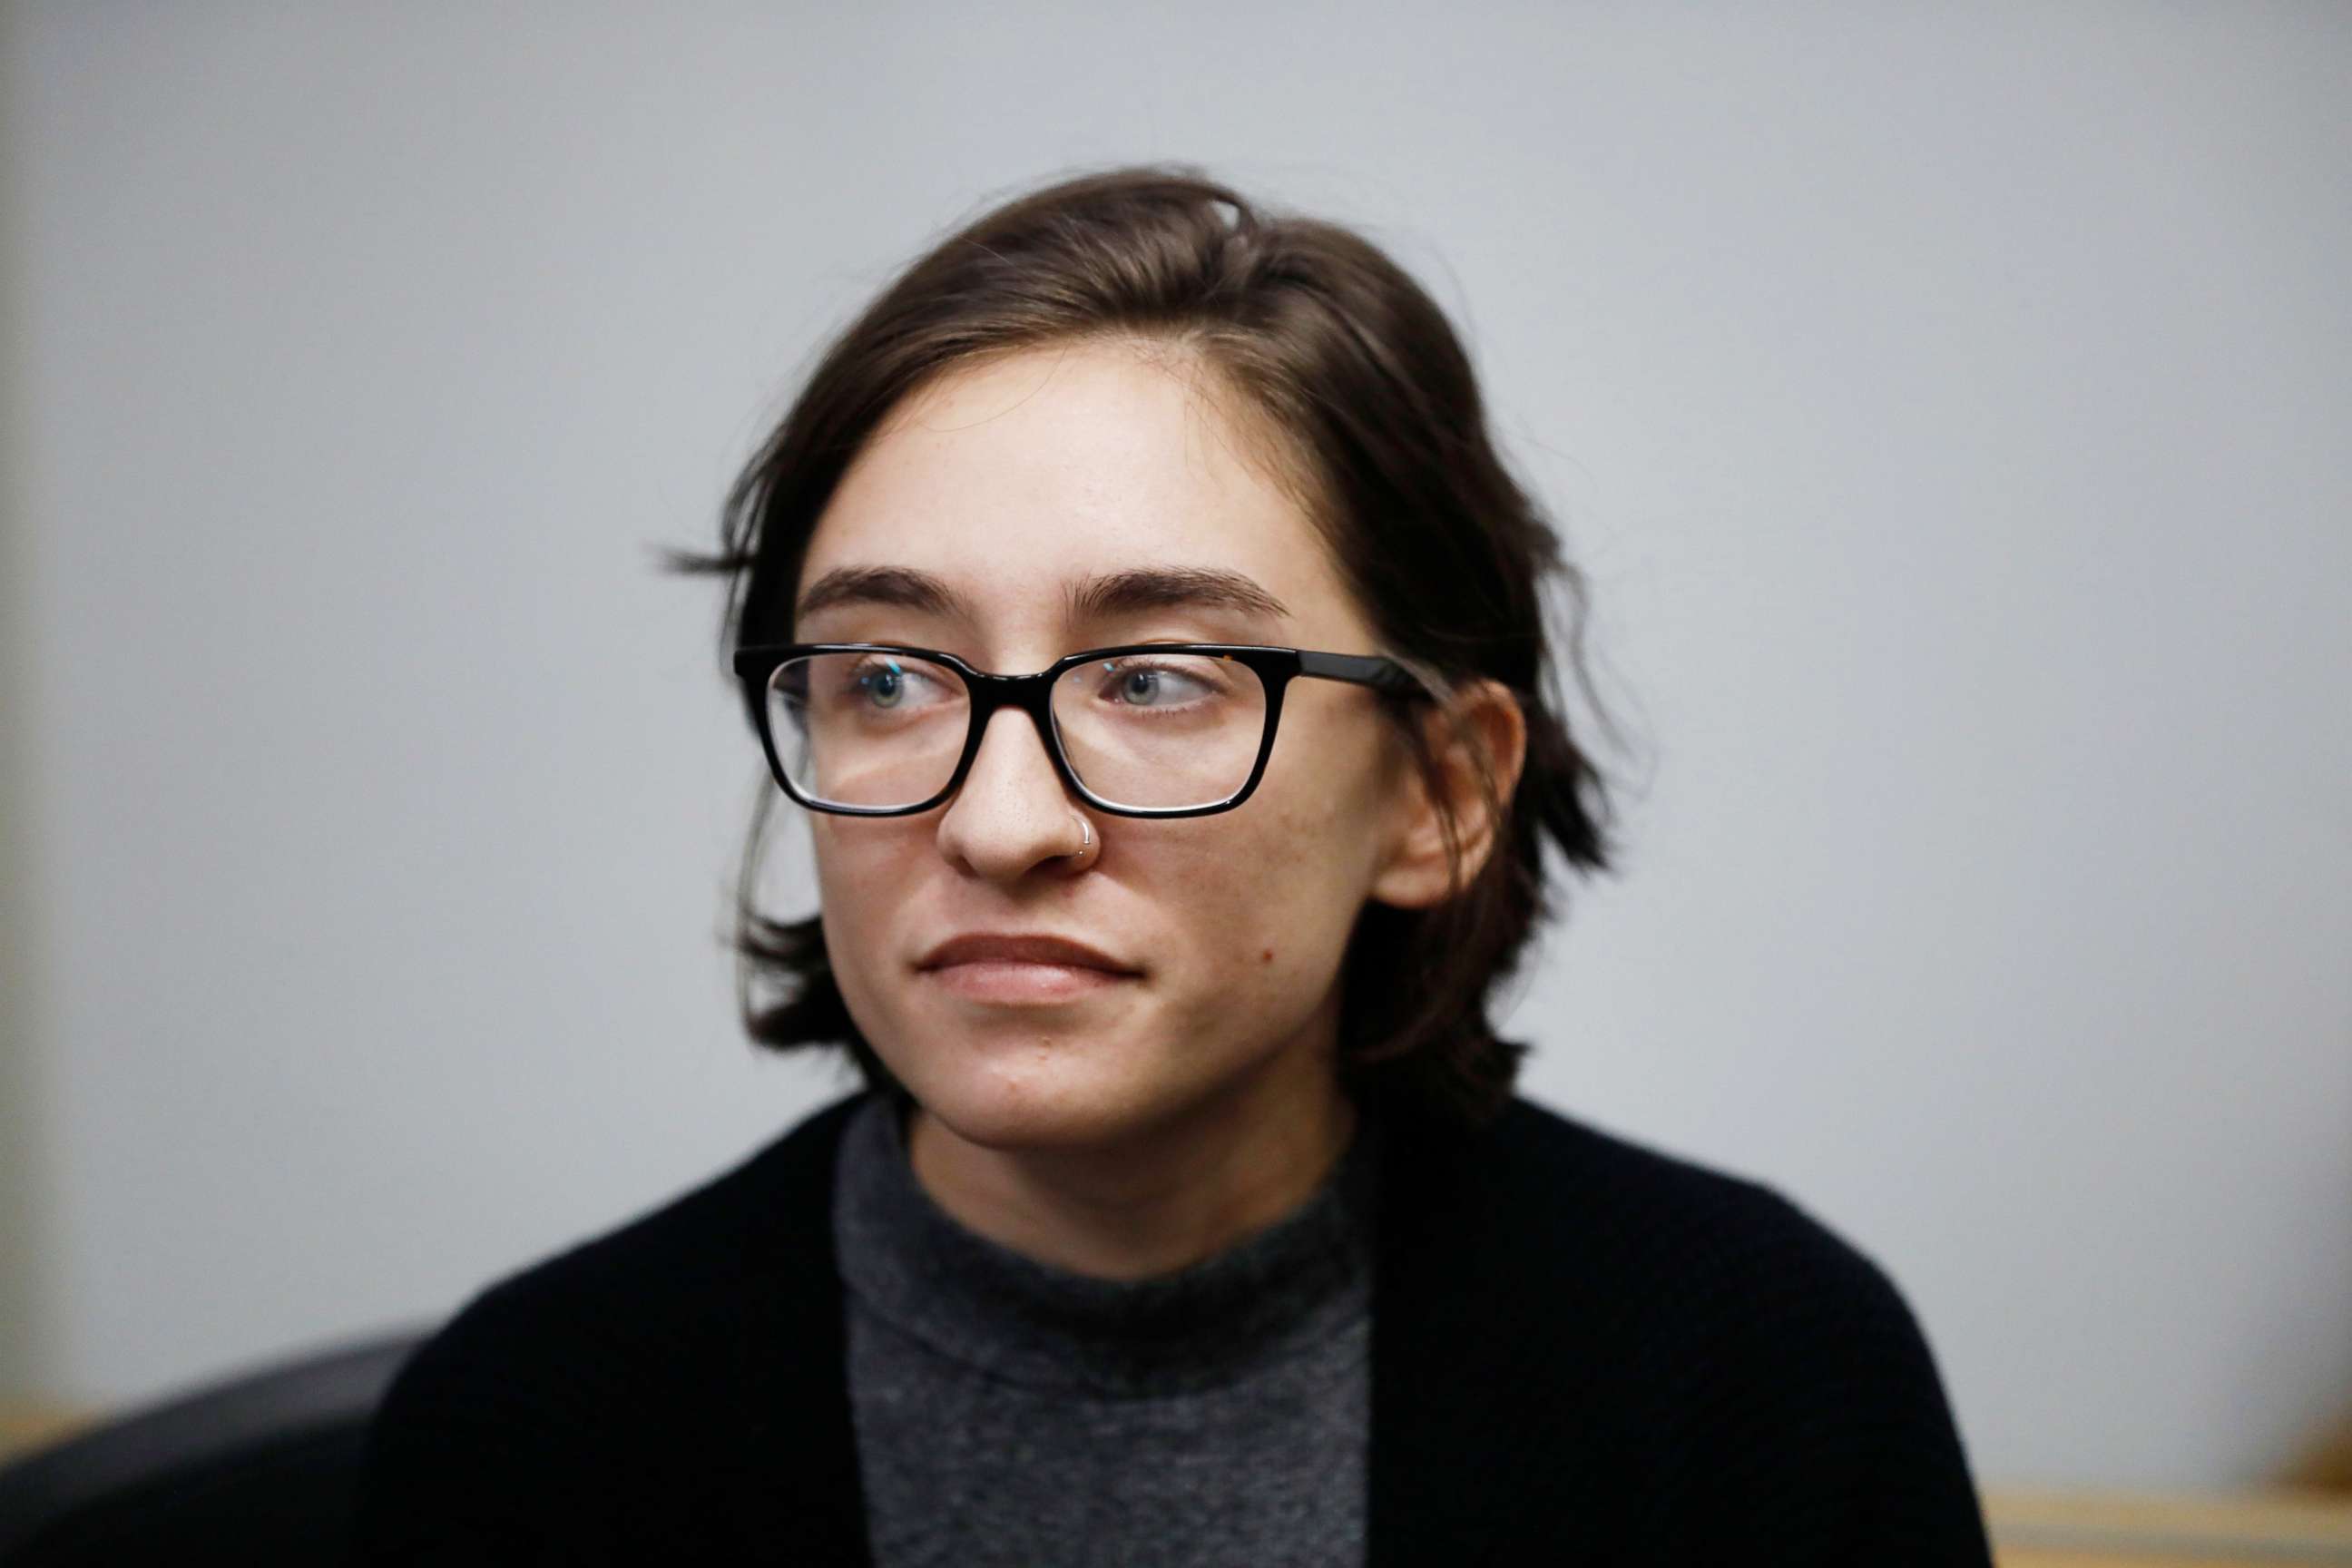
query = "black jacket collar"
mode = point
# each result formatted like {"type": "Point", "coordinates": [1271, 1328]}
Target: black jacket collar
{"type": "Point", "coordinates": [1582, 1351]}
{"type": "Point", "coordinates": [1443, 1368]}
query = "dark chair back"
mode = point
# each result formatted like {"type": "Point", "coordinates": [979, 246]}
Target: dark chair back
{"type": "Point", "coordinates": [263, 1467]}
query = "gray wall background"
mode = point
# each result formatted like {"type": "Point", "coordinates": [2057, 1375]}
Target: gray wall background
{"type": "Point", "coordinates": [1950, 408]}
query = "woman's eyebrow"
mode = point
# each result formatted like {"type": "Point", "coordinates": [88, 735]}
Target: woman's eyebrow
{"type": "Point", "coordinates": [1101, 598]}
{"type": "Point", "coordinates": [899, 585]}
{"type": "Point", "coordinates": [1169, 587]}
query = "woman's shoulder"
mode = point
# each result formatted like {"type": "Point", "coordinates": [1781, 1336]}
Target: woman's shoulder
{"type": "Point", "coordinates": [1611, 1200]}
{"type": "Point", "coordinates": [1611, 1238]}
{"type": "Point", "coordinates": [1669, 1332]}
{"type": "Point", "coordinates": [659, 1274]}
{"type": "Point", "coordinates": [611, 1363]}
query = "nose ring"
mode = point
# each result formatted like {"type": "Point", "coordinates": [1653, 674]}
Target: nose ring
{"type": "Point", "coordinates": [1087, 843]}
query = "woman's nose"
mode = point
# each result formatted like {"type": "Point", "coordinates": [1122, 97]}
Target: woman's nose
{"type": "Point", "coordinates": [1012, 812]}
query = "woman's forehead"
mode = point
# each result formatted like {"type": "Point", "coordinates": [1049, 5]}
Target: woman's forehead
{"type": "Point", "coordinates": [1094, 434]}
{"type": "Point", "coordinates": [1086, 475]}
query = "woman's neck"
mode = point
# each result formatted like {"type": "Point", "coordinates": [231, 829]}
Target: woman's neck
{"type": "Point", "coordinates": [1155, 1202]}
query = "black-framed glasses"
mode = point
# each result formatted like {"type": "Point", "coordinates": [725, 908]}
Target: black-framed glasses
{"type": "Point", "coordinates": [1141, 730]}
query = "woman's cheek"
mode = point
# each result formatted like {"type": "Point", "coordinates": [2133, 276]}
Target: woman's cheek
{"type": "Point", "coordinates": [1283, 920]}
{"type": "Point", "coordinates": [858, 893]}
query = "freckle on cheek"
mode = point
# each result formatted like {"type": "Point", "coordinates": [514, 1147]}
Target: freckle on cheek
{"type": "Point", "coordinates": [1266, 957]}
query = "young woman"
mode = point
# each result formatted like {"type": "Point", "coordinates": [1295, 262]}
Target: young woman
{"type": "Point", "coordinates": [1137, 608]}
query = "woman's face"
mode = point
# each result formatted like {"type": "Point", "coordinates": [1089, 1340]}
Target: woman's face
{"type": "Point", "coordinates": [1013, 486]}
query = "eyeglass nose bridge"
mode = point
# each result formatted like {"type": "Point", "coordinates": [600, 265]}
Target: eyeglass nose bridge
{"type": "Point", "coordinates": [1031, 694]}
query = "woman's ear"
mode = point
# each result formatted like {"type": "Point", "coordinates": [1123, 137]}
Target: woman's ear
{"type": "Point", "coordinates": [1481, 723]}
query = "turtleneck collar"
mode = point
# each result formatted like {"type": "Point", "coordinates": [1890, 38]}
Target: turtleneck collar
{"type": "Point", "coordinates": [1260, 1300]}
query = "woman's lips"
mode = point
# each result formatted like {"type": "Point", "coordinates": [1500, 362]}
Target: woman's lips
{"type": "Point", "coordinates": [1001, 980]}
{"type": "Point", "coordinates": [1021, 947]}
{"type": "Point", "coordinates": [1018, 967]}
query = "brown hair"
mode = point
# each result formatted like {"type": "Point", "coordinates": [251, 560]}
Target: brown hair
{"type": "Point", "coordinates": [1342, 353]}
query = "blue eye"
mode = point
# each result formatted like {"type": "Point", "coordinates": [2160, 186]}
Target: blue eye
{"type": "Point", "coordinates": [885, 686]}
{"type": "Point", "coordinates": [1158, 684]}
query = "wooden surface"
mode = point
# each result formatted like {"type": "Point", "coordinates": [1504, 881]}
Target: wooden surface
{"type": "Point", "coordinates": [2327, 1465]}
{"type": "Point", "coordinates": [2051, 1529]}
{"type": "Point", "coordinates": [24, 1427]}
{"type": "Point", "coordinates": [2030, 1530]}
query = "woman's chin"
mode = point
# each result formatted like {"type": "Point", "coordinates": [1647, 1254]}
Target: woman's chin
{"type": "Point", "coordinates": [1039, 1107]}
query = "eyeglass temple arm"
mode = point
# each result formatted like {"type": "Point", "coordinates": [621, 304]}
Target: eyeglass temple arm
{"type": "Point", "coordinates": [1362, 670]}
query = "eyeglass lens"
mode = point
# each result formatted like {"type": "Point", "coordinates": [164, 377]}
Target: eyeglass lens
{"type": "Point", "coordinates": [1151, 730]}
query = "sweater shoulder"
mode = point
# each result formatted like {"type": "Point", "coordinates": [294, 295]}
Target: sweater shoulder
{"type": "Point", "coordinates": [1698, 1359]}
{"type": "Point", "coordinates": [1635, 1189]}
{"type": "Point", "coordinates": [1721, 1253]}
{"type": "Point", "coordinates": [624, 1389]}
{"type": "Point", "coordinates": [651, 1293]}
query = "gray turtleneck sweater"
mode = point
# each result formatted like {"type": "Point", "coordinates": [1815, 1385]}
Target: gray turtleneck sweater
{"type": "Point", "coordinates": [1008, 1412]}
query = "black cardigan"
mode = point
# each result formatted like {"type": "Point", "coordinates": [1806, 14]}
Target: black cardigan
{"type": "Point", "coordinates": [1583, 1351]}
